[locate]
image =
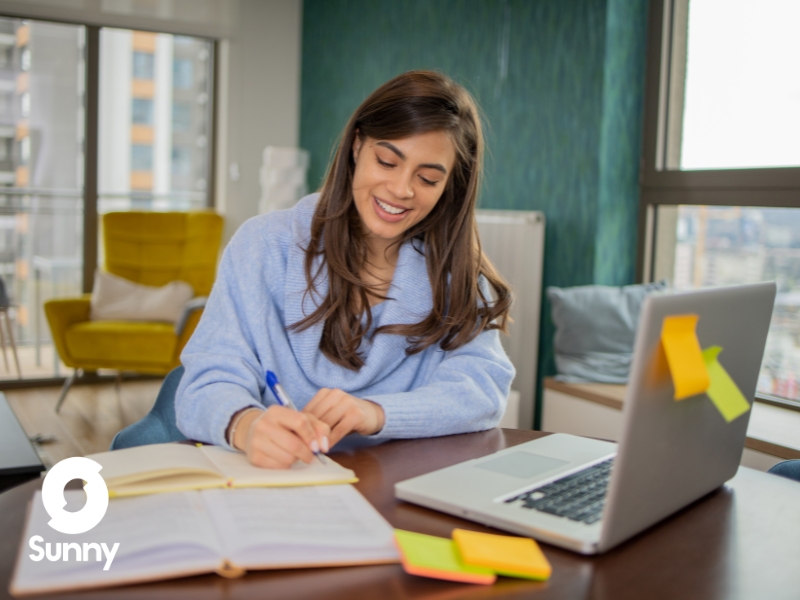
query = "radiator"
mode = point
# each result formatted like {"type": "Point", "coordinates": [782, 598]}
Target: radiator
{"type": "Point", "coordinates": [514, 243]}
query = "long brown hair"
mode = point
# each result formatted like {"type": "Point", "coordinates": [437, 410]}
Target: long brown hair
{"type": "Point", "coordinates": [412, 103]}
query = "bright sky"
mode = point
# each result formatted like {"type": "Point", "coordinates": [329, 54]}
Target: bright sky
{"type": "Point", "coordinates": [742, 106]}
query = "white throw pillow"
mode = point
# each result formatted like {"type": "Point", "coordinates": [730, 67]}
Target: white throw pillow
{"type": "Point", "coordinates": [116, 298]}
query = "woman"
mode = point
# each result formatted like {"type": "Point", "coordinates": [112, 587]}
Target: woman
{"type": "Point", "coordinates": [371, 300]}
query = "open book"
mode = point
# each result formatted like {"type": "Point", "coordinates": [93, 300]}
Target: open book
{"type": "Point", "coordinates": [164, 536]}
{"type": "Point", "coordinates": [174, 467]}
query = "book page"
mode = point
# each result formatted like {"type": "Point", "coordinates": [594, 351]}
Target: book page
{"type": "Point", "coordinates": [142, 463]}
{"type": "Point", "coordinates": [299, 526]}
{"type": "Point", "coordinates": [235, 467]}
{"type": "Point", "coordinates": [160, 536]}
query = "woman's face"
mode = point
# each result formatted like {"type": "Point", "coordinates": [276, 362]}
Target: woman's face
{"type": "Point", "coordinates": [397, 183]}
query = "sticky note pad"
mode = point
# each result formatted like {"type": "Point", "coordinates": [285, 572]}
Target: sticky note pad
{"type": "Point", "coordinates": [723, 391]}
{"type": "Point", "coordinates": [686, 364]}
{"type": "Point", "coordinates": [430, 556]}
{"type": "Point", "coordinates": [504, 554]}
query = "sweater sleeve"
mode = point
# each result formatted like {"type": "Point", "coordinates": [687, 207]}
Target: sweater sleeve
{"type": "Point", "coordinates": [223, 372]}
{"type": "Point", "coordinates": [467, 391]}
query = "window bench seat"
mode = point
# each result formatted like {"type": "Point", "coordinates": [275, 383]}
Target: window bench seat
{"type": "Point", "coordinates": [595, 410]}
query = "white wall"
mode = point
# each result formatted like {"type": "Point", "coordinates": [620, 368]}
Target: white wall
{"type": "Point", "coordinates": [259, 103]}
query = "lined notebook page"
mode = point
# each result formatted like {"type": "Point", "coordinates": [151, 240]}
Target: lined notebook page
{"type": "Point", "coordinates": [146, 462]}
{"type": "Point", "coordinates": [235, 466]}
{"type": "Point", "coordinates": [160, 536]}
{"type": "Point", "coordinates": [299, 526]}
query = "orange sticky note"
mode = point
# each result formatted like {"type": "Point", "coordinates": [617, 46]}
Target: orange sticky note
{"type": "Point", "coordinates": [723, 391]}
{"type": "Point", "coordinates": [430, 556]}
{"type": "Point", "coordinates": [504, 554]}
{"type": "Point", "coordinates": [686, 365]}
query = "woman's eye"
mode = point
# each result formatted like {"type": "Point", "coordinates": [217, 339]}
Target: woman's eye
{"type": "Point", "coordinates": [427, 181]}
{"type": "Point", "coordinates": [383, 163]}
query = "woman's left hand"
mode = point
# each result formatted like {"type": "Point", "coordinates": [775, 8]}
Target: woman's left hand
{"type": "Point", "coordinates": [345, 413]}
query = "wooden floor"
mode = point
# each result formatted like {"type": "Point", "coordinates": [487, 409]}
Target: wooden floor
{"type": "Point", "coordinates": [89, 418]}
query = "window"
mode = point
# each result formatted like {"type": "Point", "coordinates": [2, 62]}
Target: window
{"type": "Point", "coordinates": [182, 73]}
{"type": "Point", "coordinates": [741, 104]}
{"type": "Point", "coordinates": [49, 100]}
{"type": "Point", "coordinates": [141, 157]}
{"type": "Point", "coordinates": [143, 65]}
{"type": "Point", "coordinates": [721, 178]}
{"type": "Point", "coordinates": [142, 111]}
{"type": "Point", "coordinates": [181, 116]}
{"type": "Point", "coordinates": [181, 161]}
{"type": "Point", "coordinates": [42, 113]}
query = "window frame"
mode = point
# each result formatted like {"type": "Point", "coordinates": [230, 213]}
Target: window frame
{"type": "Point", "coordinates": [661, 186]}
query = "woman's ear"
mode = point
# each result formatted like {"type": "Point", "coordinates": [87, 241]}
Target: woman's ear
{"type": "Point", "coordinates": [356, 146]}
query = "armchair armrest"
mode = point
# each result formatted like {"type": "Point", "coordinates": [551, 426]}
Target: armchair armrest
{"type": "Point", "coordinates": [63, 313]}
{"type": "Point", "coordinates": [185, 326]}
{"type": "Point", "coordinates": [195, 305]}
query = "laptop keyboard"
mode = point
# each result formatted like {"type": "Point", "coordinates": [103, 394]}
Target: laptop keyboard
{"type": "Point", "coordinates": [579, 497]}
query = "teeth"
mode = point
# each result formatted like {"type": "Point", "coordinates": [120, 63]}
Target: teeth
{"type": "Point", "coordinates": [390, 209]}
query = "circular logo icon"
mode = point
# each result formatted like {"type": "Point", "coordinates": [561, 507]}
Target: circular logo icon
{"type": "Point", "coordinates": [96, 495]}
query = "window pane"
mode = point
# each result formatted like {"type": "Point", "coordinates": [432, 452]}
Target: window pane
{"type": "Point", "coordinates": [701, 246]}
{"type": "Point", "coordinates": [742, 96]}
{"type": "Point", "coordinates": [182, 73]}
{"type": "Point", "coordinates": [143, 65]}
{"type": "Point", "coordinates": [41, 182]}
{"type": "Point", "coordinates": [141, 158]}
{"type": "Point", "coordinates": [181, 116]}
{"type": "Point", "coordinates": [155, 120]}
{"type": "Point", "coordinates": [142, 111]}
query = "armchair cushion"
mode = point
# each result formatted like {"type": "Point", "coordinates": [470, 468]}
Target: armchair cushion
{"type": "Point", "coordinates": [110, 343]}
{"type": "Point", "coordinates": [116, 298]}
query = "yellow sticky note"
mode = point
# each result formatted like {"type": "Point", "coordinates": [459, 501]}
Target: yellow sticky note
{"type": "Point", "coordinates": [723, 391]}
{"type": "Point", "coordinates": [686, 365]}
{"type": "Point", "coordinates": [504, 554]}
{"type": "Point", "coordinates": [430, 556]}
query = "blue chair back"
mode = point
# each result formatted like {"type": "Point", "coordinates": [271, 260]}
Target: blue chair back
{"type": "Point", "coordinates": [158, 426]}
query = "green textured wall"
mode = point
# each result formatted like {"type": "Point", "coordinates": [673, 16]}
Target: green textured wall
{"type": "Point", "coordinates": [560, 83]}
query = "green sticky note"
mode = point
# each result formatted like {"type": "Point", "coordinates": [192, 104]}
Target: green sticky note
{"type": "Point", "coordinates": [723, 391]}
{"type": "Point", "coordinates": [430, 556]}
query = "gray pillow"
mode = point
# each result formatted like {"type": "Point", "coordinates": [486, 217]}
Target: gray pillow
{"type": "Point", "coordinates": [595, 330]}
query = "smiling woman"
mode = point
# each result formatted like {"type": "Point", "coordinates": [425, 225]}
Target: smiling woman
{"type": "Point", "coordinates": [372, 300]}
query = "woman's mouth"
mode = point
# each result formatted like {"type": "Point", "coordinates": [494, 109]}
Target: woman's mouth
{"type": "Point", "coordinates": [389, 212]}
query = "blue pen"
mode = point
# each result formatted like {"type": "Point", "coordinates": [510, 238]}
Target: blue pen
{"type": "Point", "coordinates": [283, 399]}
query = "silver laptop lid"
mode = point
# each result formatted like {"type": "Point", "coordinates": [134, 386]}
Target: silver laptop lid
{"type": "Point", "coordinates": [673, 452]}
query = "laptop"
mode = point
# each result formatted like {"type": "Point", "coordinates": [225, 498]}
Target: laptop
{"type": "Point", "coordinates": [589, 495]}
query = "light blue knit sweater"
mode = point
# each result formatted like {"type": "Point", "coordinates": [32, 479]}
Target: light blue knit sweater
{"type": "Point", "coordinates": [243, 332]}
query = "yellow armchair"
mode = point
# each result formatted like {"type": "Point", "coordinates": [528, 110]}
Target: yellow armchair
{"type": "Point", "coordinates": [151, 249]}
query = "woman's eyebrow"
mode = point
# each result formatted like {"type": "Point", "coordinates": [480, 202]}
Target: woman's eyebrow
{"type": "Point", "coordinates": [402, 156]}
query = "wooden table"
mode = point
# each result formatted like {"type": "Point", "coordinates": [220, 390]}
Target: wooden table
{"type": "Point", "coordinates": [742, 541]}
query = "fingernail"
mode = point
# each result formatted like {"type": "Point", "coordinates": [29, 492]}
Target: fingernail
{"type": "Point", "coordinates": [314, 447]}
{"type": "Point", "coordinates": [325, 446]}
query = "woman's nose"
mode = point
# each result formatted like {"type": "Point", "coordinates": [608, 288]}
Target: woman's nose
{"type": "Point", "coordinates": [401, 184]}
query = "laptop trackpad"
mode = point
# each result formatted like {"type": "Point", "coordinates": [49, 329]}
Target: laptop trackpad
{"type": "Point", "coordinates": [521, 464]}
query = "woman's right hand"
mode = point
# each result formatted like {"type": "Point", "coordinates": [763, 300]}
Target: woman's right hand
{"type": "Point", "coordinates": [277, 437]}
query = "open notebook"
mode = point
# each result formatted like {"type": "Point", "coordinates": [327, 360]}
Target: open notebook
{"type": "Point", "coordinates": [174, 467]}
{"type": "Point", "coordinates": [164, 536]}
